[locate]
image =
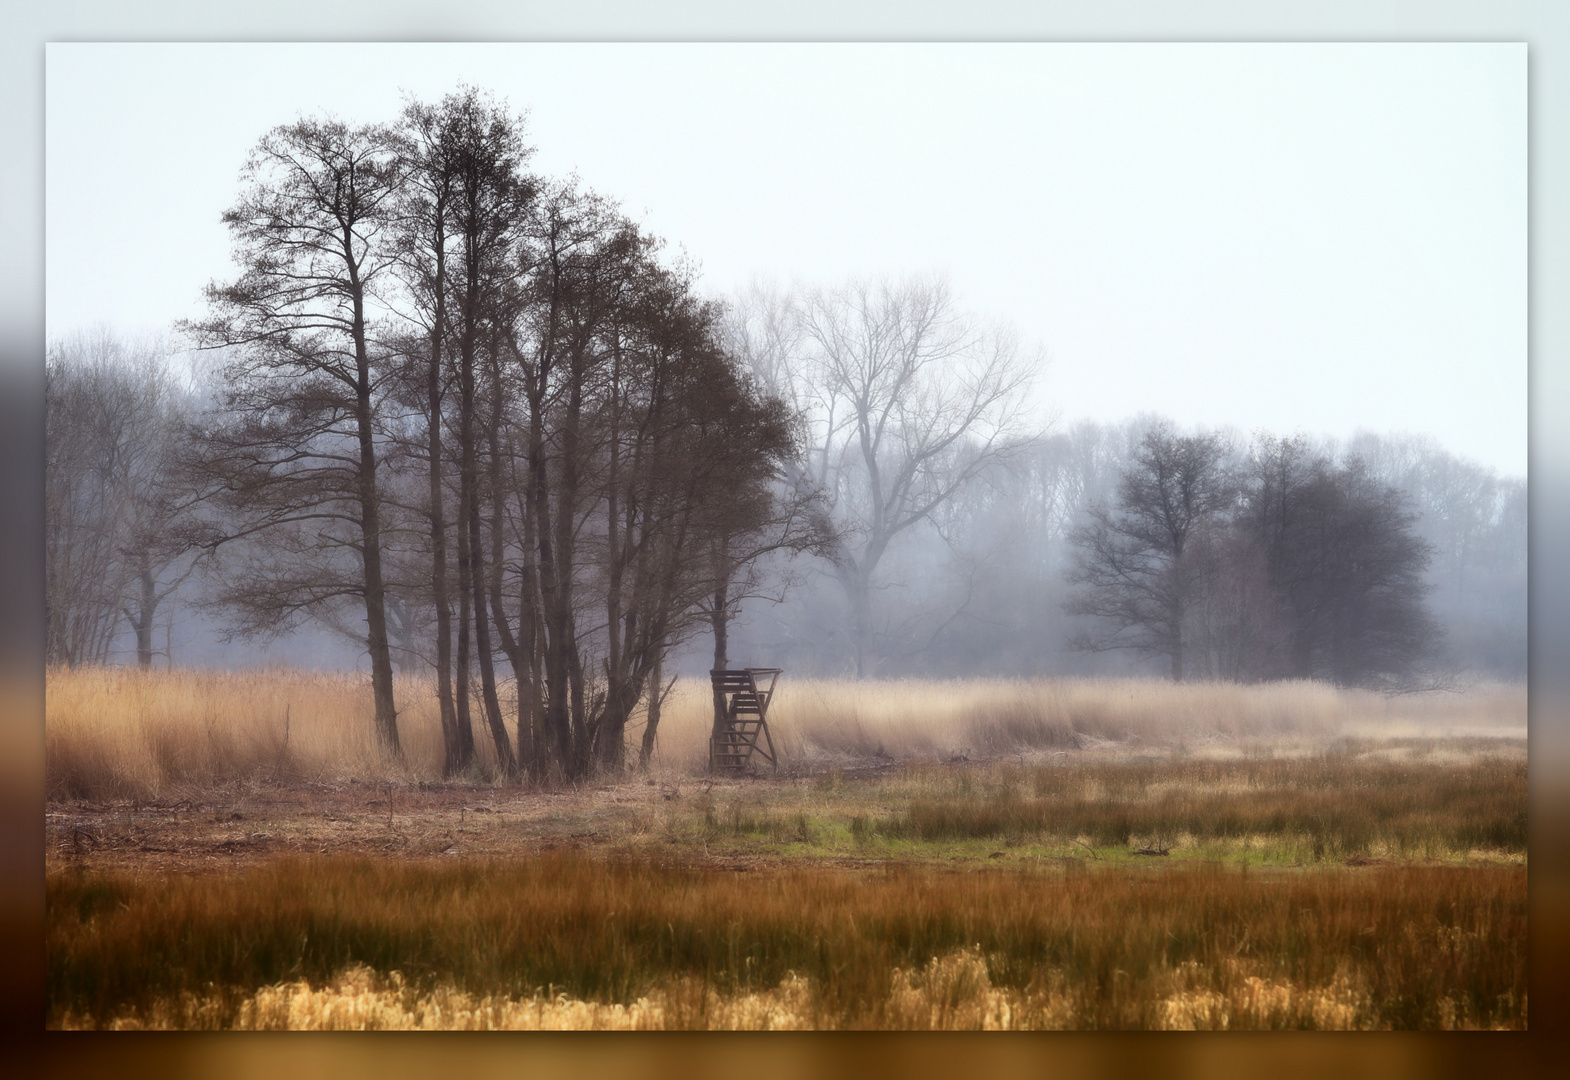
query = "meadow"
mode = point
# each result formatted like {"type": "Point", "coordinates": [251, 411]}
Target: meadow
{"type": "Point", "coordinates": [232, 850]}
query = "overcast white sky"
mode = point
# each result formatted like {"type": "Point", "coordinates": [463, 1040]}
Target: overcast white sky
{"type": "Point", "coordinates": [1283, 236]}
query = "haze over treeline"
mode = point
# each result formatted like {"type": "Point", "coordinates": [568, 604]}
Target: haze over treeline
{"type": "Point", "coordinates": [464, 417]}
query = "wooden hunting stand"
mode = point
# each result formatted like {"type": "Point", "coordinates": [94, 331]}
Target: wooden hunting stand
{"type": "Point", "coordinates": [745, 719]}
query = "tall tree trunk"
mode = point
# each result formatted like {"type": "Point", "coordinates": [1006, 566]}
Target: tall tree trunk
{"type": "Point", "coordinates": [657, 689]}
{"type": "Point", "coordinates": [554, 612]}
{"type": "Point", "coordinates": [858, 591]}
{"type": "Point", "coordinates": [470, 543]}
{"type": "Point", "coordinates": [370, 526]}
{"type": "Point", "coordinates": [144, 617]}
{"type": "Point", "coordinates": [511, 644]}
{"type": "Point", "coordinates": [534, 649]}
{"type": "Point", "coordinates": [621, 698]}
{"type": "Point", "coordinates": [460, 683]}
{"type": "Point", "coordinates": [453, 758]}
{"type": "Point", "coordinates": [465, 629]}
{"type": "Point", "coordinates": [564, 638]}
{"type": "Point", "coordinates": [613, 723]}
{"type": "Point", "coordinates": [482, 644]}
{"type": "Point", "coordinates": [375, 603]}
{"type": "Point", "coordinates": [531, 709]}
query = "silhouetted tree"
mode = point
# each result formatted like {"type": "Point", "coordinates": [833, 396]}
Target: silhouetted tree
{"type": "Point", "coordinates": [293, 452]}
{"type": "Point", "coordinates": [693, 457]}
{"type": "Point", "coordinates": [424, 140]}
{"type": "Point", "coordinates": [1132, 563]}
{"type": "Point", "coordinates": [1343, 557]}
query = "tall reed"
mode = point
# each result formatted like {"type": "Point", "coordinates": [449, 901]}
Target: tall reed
{"type": "Point", "coordinates": [125, 733]}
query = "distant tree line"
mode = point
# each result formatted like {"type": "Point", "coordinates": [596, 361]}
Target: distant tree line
{"type": "Point", "coordinates": [118, 533]}
{"type": "Point", "coordinates": [989, 586]}
{"type": "Point", "coordinates": [1290, 566]}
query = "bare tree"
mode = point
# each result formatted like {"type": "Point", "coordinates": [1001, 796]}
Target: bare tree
{"type": "Point", "coordinates": [780, 515]}
{"type": "Point", "coordinates": [294, 450]}
{"type": "Point", "coordinates": [906, 399]}
{"type": "Point", "coordinates": [1132, 563]}
{"type": "Point", "coordinates": [1344, 559]}
{"type": "Point", "coordinates": [694, 458]}
{"type": "Point", "coordinates": [425, 251]}
{"type": "Point", "coordinates": [162, 533]}
{"type": "Point", "coordinates": [482, 158]}
{"type": "Point", "coordinates": [86, 430]}
{"type": "Point", "coordinates": [1476, 522]}
{"type": "Point", "coordinates": [119, 535]}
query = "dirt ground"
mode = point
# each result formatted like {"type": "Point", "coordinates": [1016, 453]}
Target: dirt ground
{"type": "Point", "coordinates": [255, 822]}
{"type": "Point", "coordinates": [249, 822]}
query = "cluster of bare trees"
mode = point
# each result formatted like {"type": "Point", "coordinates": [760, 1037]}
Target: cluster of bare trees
{"type": "Point", "coordinates": [1287, 564]}
{"type": "Point", "coordinates": [475, 406]}
{"type": "Point", "coordinates": [119, 535]}
{"type": "Point", "coordinates": [471, 418]}
{"type": "Point", "coordinates": [982, 587]}
{"type": "Point", "coordinates": [953, 521]}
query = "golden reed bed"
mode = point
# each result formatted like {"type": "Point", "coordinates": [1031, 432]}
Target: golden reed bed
{"type": "Point", "coordinates": [126, 733]}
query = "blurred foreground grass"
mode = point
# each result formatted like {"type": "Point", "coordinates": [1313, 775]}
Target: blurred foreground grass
{"type": "Point", "coordinates": [568, 940]}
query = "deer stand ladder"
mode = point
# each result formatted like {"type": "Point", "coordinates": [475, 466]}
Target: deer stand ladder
{"type": "Point", "coordinates": [745, 719]}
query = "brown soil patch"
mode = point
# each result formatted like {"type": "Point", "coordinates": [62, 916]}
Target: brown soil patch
{"type": "Point", "coordinates": [249, 824]}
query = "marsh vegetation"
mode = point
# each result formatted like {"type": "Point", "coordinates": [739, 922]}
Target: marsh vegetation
{"type": "Point", "coordinates": [239, 851]}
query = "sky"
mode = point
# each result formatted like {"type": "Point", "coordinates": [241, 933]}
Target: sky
{"type": "Point", "coordinates": [1291, 237]}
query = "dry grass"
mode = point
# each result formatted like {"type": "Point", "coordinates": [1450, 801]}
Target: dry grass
{"type": "Point", "coordinates": [1330, 806]}
{"type": "Point", "coordinates": [572, 941]}
{"type": "Point", "coordinates": [1002, 822]}
{"type": "Point", "coordinates": [127, 734]}
{"type": "Point", "coordinates": [982, 717]}
{"type": "Point", "coordinates": [1349, 803]}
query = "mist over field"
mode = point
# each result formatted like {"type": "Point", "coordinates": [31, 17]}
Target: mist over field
{"type": "Point", "coordinates": [992, 602]}
{"type": "Point", "coordinates": [468, 609]}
